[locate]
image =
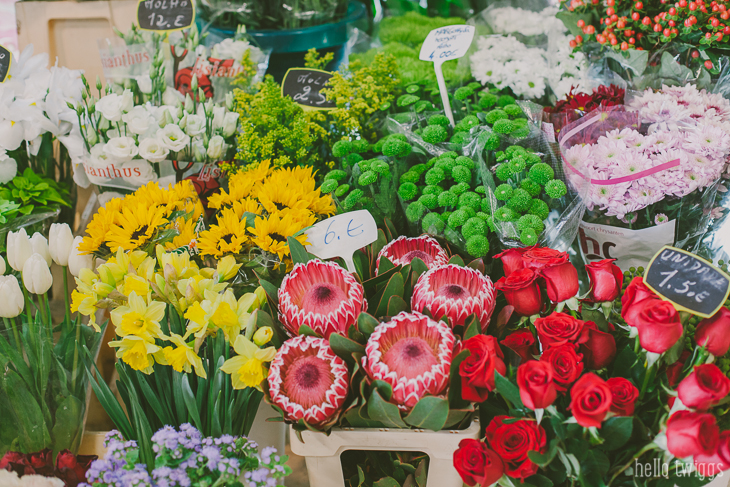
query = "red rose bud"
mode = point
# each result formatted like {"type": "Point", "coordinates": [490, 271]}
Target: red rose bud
{"type": "Point", "coordinates": [561, 281]}
{"type": "Point", "coordinates": [535, 380]}
{"type": "Point", "coordinates": [606, 280]}
{"type": "Point", "coordinates": [598, 347]}
{"type": "Point", "coordinates": [16, 462]}
{"type": "Point", "coordinates": [714, 333]}
{"type": "Point", "coordinates": [718, 461]}
{"type": "Point", "coordinates": [477, 370]}
{"type": "Point", "coordinates": [623, 396]}
{"type": "Point", "coordinates": [674, 371]}
{"type": "Point", "coordinates": [477, 464]}
{"type": "Point", "coordinates": [658, 325]}
{"type": "Point", "coordinates": [522, 291]}
{"type": "Point", "coordinates": [690, 433]}
{"type": "Point", "coordinates": [704, 387]}
{"type": "Point", "coordinates": [512, 442]}
{"type": "Point", "coordinates": [557, 329]}
{"type": "Point", "coordinates": [539, 257]}
{"type": "Point", "coordinates": [522, 343]}
{"type": "Point", "coordinates": [511, 260]}
{"type": "Point", "coordinates": [72, 468]}
{"type": "Point", "coordinates": [590, 400]}
{"type": "Point", "coordinates": [636, 292]}
{"type": "Point", "coordinates": [567, 365]}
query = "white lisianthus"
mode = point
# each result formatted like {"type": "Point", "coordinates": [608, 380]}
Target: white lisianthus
{"type": "Point", "coordinates": [98, 158]}
{"type": "Point", "coordinates": [231, 49]}
{"type": "Point", "coordinates": [230, 123]}
{"type": "Point", "coordinates": [127, 101]}
{"type": "Point", "coordinates": [138, 120]}
{"type": "Point", "coordinates": [215, 147]}
{"type": "Point", "coordinates": [152, 150]}
{"type": "Point", "coordinates": [172, 97]}
{"type": "Point", "coordinates": [195, 125]}
{"type": "Point", "coordinates": [8, 169]}
{"type": "Point", "coordinates": [138, 172]}
{"type": "Point", "coordinates": [145, 83]}
{"type": "Point", "coordinates": [172, 137]}
{"type": "Point", "coordinates": [121, 149]}
{"type": "Point", "coordinates": [110, 107]}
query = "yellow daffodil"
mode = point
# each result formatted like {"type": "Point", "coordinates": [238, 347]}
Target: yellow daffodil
{"type": "Point", "coordinates": [85, 305]}
{"type": "Point", "coordinates": [139, 318]}
{"type": "Point", "coordinates": [227, 268]}
{"type": "Point", "coordinates": [137, 352]}
{"type": "Point", "coordinates": [263, 336]}
{"type": "Point", "coordinates": [216, 309]}
{"type": "Point", "coordinates": [135, 284]}
{"type": "Point", "coordinates": [248, 368]}
{"type": "Point", "coordinates": [183, 358]}
{"type": "Point", "coordinates": [176, 265]}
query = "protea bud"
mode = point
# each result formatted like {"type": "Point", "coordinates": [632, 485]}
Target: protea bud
{"type": "Point", "coordinates": [456, 292]}
{"type": "Point", "coordinates": [412, 353]}
{"type": "Point", "coordinates": [403, 250]}
{"type": "Point", "coordinates": [321, 295]}
{"type": "Point", "coordinates": [308, 381]}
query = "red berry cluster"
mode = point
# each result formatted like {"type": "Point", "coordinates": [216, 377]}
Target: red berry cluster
{"type": "Point", "coordinates": [649, 24]}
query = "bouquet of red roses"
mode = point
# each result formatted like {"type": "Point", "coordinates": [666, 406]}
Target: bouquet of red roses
{"type": "Point", "coordinates": [611, 388]}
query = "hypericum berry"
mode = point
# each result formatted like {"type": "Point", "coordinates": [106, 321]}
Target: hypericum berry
{"type": "Point", "coordinates": [708, 64]}
{"type": "Point", "coordinates": [503, 192]}
{"type": "Point", "coordinates": [407, 191]}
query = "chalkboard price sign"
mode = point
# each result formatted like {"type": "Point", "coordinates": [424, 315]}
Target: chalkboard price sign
{"type": "Point", "coordinates": [688, 281]}
{"type": "Point", "coordinates": [5, 59]}
{"type": "Point", "coordinates": [303, 85]}
{"type": "Point", "coordinates": [165, 15]}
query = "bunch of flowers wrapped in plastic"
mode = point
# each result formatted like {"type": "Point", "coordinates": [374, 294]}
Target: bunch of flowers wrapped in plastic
{"type": "Point", "coordinates": [185, 457]}
{"type": "Point", "coordinates": [601, 393]}
{"type": "Point", "coordinates": [517, 20]}
{"type": "Point", "coordinates": [577, 104]}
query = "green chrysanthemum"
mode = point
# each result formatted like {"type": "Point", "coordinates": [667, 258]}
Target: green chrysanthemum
{"type": "Point", "coordinates": [381, 167]}
{"type": "Point", "coordinates": [433, 189]}
{"type": "Point", "coordinates": [505, 100]}
{"type": "Point", "coordinates": [396, 148]}
{"type": "Point", "coordinates": [487, 101]}
{"type": "Point", "coordinates": [434, 134]}
{"type": "Point", "coordinates": [482, 215]}
{"type": "Point", "coordinates": [531, 187]}
{"type": "Point", "coordinates": [328, 186]}
{"type": "Point", "coordinates": [518, 164]}
{"type": "Point", "coordinates": [430, 201]}
{"type": "Point", "coordinates": [463, 93]}
{"type": "Point", "coordinates": [409, 177]}
{"type": "Point", "coordinates": [458, 218]}
{"type": "Point", "coordinates": [415, 211]}
{"type": "Point", "coordinates": [438, 119]}
{"type": "Point", "coordinates": [530, 221]}
{"type": "Point", "coordinates": [503, 192]}
{"type": "Point", "coordinates": [520, 200]}
{"type": "Point", "coordinates": [505, 214]}
{"type": "Point", "coordinates": [470, 199]}
{"type": "Point", "coordinates": [352, 199]}
{"type": "Point", "coordinates": [366, 178]}
{"type": "Point", "coordinates": [539, 208]}
{"type": "Point", "coordinates": [407, 100]}
{"type": "Point", "coordinates": [363, 165]}
{"type": "Point", "coordinates": [528, 237]}
{"type": "Point", "coordinates": [341, 190]}
{"type": "Point", "coordinates": [419, 168]}
{"type": "Point", "coordinates": [556, 188]}
{"type": "Point", "coordinates": [447, 198]}
{"type": "Point", "coordinates": [464, 161]}
{"type": "Point", "coordinates": [474, 226]}
{"type": "Point", "coordinates": [459, 138]}
{"type": "Point", "coordinates": [433, 224]}
{"type": "Point", "coordinates": [512, 110]}
{"type": "Point", "coordinates": [352, 159]}
{"type": "Point", "coordinates": [446, 164]}
{"type": "Point", "coordinates": [435, 175]}
{"type": "Point", "coordinates": [460, 174]}
{"type": "Point", "coordinates": [477, 246]}
{"type": "Point", "coordinates": [408, 191]}
{"type": "Point", "coordinates": [503, 126]}
{"type": "Point", "coordinates": [341, 148]}
{"type": "Point", "coordinates": [360, 146]}
{"type": "Point", "coordinates": [541, 173]}
{"type": "Point", "coordinates": [459, 188]}
{"type": "Point", "coordinates": [492, 141]}
{"type": "Point", "coordinates": [504, 171]}
{"type": "Point", "coordinates": [494, 115]}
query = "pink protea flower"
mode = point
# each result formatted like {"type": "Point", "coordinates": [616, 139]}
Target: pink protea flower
{"type": "Point", "coordinates": [321, 295]}
{"type": "Point", "coordinates": [403, 250]}
{"type": "Point", "coordinates": [456, 292]}
{"type": "Point", "coordinates": [308, 381]}
{"type": "Point", "coordinates": [412, 353]}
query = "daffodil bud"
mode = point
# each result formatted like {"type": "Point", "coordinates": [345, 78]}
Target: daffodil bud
{"type": "Point", "coordinates": [12, 303]}
{"type": "Point", "coordinates": [260, 295]}
{"type": "Point", "coordinates": [36, 275]}
{"type": "Point", "coordinates": [263, 336]}
{"type": "Point", "coordinates": [60, 240]}
{"type": "Point", "coordinates": [18, 249]}
{"type": "Point", "coordinates": [77, 261]}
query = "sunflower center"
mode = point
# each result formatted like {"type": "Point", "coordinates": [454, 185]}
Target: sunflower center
{"type": "Point", "coordinates": [141, 231]}
{"type": "Point", "coordinates": [452, 291]}
{"type": "Point", "coordinates": [280, 206]}
{"type": "Point", "coordinates": [307, 381]}
{"type": "Point", "coordinates": [227, 238]}
{"type": "Point", "coordinates": [278, 237]}
{"type": "Point", "coordinates": [323, 297]}
{"type": "Point", "coordinates": [410, 357]}
{"type": "Point", "coordinates": [418, 254]}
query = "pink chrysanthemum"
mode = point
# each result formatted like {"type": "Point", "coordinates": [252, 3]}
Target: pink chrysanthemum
{"type": "Point", "coordinates": [321, 295]}
{"type": "Point", "coordinates": [456, 292]}
{"type": "Point", "coordinates": [412, 353]}
{"type": "Point", "coordinates": [308, 381]}
{"type": "Point", "coordinates": [403, 250]}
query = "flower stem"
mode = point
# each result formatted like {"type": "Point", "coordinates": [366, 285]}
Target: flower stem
{"type": "Point", "coordinates": [11, 324]}
{"type": "Point", "coordinates": [649, 447]}
{"type": "Point", "coordinates": [65, 294]}
{"type": "Point", "coordinates": [647, 378]}
{"type": "Point", "coordinates": [75, 372]}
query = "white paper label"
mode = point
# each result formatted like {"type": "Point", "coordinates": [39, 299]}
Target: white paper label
{"type": "Point", "coordinates": [342, 235]}
{"type": "Point", "coordinates": [630, 248]}
{"type": "Point", "coordinates": [447, 43]}
{"type": "Point", "coordinates": [122, 61]}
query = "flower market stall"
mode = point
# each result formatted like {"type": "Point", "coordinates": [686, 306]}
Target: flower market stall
{"type": "Point", "coordinates": [370, 244]}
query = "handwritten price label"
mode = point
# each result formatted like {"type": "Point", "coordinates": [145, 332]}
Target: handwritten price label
{"type": "Point", "coordinates": [6, 58]}
{"type": "Point", "coordinates": [688, 281]}
{"type": "Point", "coordinates": [342, 235]}
{"type": "Point", "coordinates": [165, 15]}
{"type": "Point", "coordinates": [303, 85]}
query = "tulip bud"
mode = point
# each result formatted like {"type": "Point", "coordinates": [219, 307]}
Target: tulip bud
{"type": "Point", "coordinates": [77, 261]}
{"type": "Point", "coordinates": [36, 275]}
{"type": "Point", "coordinates": [263, 336]}
{"type": "Point", "coordinates": [2, 265]}
{"type": "Point", "coordinates": [60, 240]}
{"type": "Point", "coordinates": [19, 249]}
{"type": "Point", "coordinates": [39, 244]}
{"type": "Point", "coordinates": [12, 303]}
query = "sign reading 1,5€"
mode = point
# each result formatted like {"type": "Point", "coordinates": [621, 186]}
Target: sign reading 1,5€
{"type": "Point", "coordinates": [342, 235]}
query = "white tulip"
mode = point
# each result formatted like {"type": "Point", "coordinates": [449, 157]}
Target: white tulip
{"type": "Point", "coordinates": [60, 241]}
{"type": "Point", "coordinates": [12, 303]}
{"type": "Point", "coordinates": [215, 147]}
{"type": "Point", "coordinates": [2, 266]}
{"type": "Point", "coordinates": [19, 249]}
{"type": "Point", "coordinates": [77, 261]}
{"type": "Point", "coordinates": [36, 275]}
{"type": "Point", "coordinates": [39, 244]}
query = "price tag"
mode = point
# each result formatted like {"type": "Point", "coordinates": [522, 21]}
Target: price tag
{"type": "Point", "coordinates": [444, 44]}
{"type": "Point", "coordinates": [342, 235]}
{"type": "Point", "coordinates": [688, 281]}
{"type": "Point", "coordinates": [303, 85]}
{"type": "Point", "coordinates": [165, 15]}
{"type": "Point", "coordinates": [6, 59]}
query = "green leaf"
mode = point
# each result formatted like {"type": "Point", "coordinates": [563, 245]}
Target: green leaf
{"type": "Point", "coordinates": [31, 427]}
{"type": "Point", "coordinates": [455, 259]}
{"type": "Point", "coordinates": [345, 347]}
{"type": "Point", "coordinates": [271, 291]}
{"type": "Point", "coordinates": [385, 412]}
{"type": "Point", "coordinates": [68, 424]}
{"type": "Point", "coordinates": [421, 473]}
{"type": "Point", "coordinates": [384, 389]}
{"type": "Point", "coordinates": [396, 305]}
{"type": "Point", "coordinates": [616, 432]}
{"type": "Point", "coordinates": [384, 265]}
{"type": "Point", "coordinates": [539, 480]}
{"type": "Point", "coordinates": [307, 331]}
{"type": "Point", "coordinates": [298, 254]}
{"type": "Point", "coordinates": [418, 267]}
{"type": "Point", "coordinates": [429, 413]}
{"type": "Point", "coordinates": [108, 400]}
{"type": "Point", "coordinates": [570, 20]}
{"type": "Point", "coordinates": [508, 390]}
{"type": "Point", "coordinates": [393, 288]}
{"type": "Point", "coordinates": [189, 398]}
{"type": "Point", "coordinates": [455, 399]}
{"type": "Point", "coordinates": [631, 59]}
{"type": "Point", "coordinates": [472, 327]}
{"type": "Point", "coordinates": [544, 460]}
{"type": "Point", "coordinates": [386, 482]}
{"type": "Point", "coordinates": [366, 324]}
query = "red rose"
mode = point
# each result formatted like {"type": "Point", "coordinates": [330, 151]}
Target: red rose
{"type": "Point", "coordinates": [535, 380]}
{"type": "Point", "coordinates": [522, 343]}
{"type": "Point", "coordinates": [716, 462]}
{"type": "Point", "coordinates": [636, 292]}
{"type": "Point", "coordinates": [561, 281]}
{"type": "Point", "coordinates": [714, 333]}
{"type": "Point", "coordinates": [658, 325]}
{"type": "Point", "coordinates": [477, 370]}
{"type": "Point", "coordinates": [590, 400]}
{"type": "Point", "coordinates": [606, 280]}
{"type": "Point", "coordinates": [690, 433]}
{"type": "Point", "coordinates": [16, 462]}
{"type": "Point", "coordinates": [567, 365]}
{"type": "Point", "coordinates": [539, 257]}
{"type": "Point", "coordinates": [72, 468]}
{"type": "Point", "coordinates": [512, 442]}
{"type": "Point", "coordinates": [704, 387]}
{"type": "Point", "coordinates": [598, 347]}
{"type": "Point", "coordinates": [674, 371]}
{"type": "Point", "coordinates": [522, 291]}
{"type": "Point", "coordinates": [511, 260]}
{"type": "Point", "coordinates": [623, 396]}
{"type": "Point", "coordinates": [557, 329]}
{"type": "Point", "coordinates": [476, 463]}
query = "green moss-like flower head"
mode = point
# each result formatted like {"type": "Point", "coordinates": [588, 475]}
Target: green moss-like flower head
{"type": "Point", "coordinates": [415, 211]}
{"type": "Point", "coordinates": [328, 186]}
{"type": "Point", "coordinates": [434, 134]}
{"type": "Point", "coordinates": [460, 174]}
{"type": "Point", "coordinates": [531, 187]}
{"type": "Point", "coordinates": [463, 93]}
{"type": "Point", "coordinates": [470, 199]}
{"type": "Point", "coordinates": [464, 161]}
{"type": "Point", "coordinates": [336, 174]}
{"type": "Point", "coordinates": [341, 148]}
{"type": "Point", "coordinates": [430, 201]}
{"type": "Point", "coordinates": [539, 208]}
{"type": "Point", "coordinates": [494, 115]}
{"type": "Point", "coordinates": [487, 101]}
{"type": "Point", "coordinates": [474, 226]}
{"type": "Point", "coordinates": [407, 191]}
{"type": "Point", "coordinates": [380, 166]}
{"type": "Point", "coordinates": [505, 100]}
{"type": "Point", "coordinates": [477, 246]}
{"type": "Point", "coordinates": [504, 171]}
{"type": "Point", "coordinates": [360, 146]}
{"type": "Point", "coordinates": [459, 188]}
{"type": "Point", "coordinates": [467, 123]}
{"type": "Point", "coordinates": [407, 100]}
{"type": "Point", "coordinates": [366, 178]}
{"type": "Point", "coordinates": [435, 175]}
{"type": "Point", "coordinates": [513, 110]}
{"type": "Point", "coordinates": [541, 173]}
{"type": "Point", "coordinates": [530, 221]}
{"type": "Point", "coordinates": [341, 190]}
{"type": "Point", "coordinates": [433, 189]}
{"type": "Point", "coordinates": [352, 199]}
{"type": "Point", "coordinates": [505, 214]}
{"type": "Point", "coordinates": [352, 159]}
{"type": "Point", "coordinates": [503, 192]}
{"type": "Point", "coordinates": [528, 237]}
{"type": "Point", "coordinates": [459, 138]}
{"type": "Point", "coordinates": [433, 224]}
{"type": "Point", "coordinates": [364, 165]}
{"type": "Point", "coordinates": [446, 164]}
{"type": "Point", "coordinates": [439, 119]}
{"type": "Point", "coordinates": [419, 168]}
{"type": "Point", "coordinates": [520, 200]}
{"type": "Point", "coordinates": [503, 126]}
{"type": "Point", "coordinates": [409, 177]}
{"type": "Point", "coordinates": [556, 188]}
{"type": "Point", "coordinates": [447, 198]}
{"type": "Point", "coordinates": [458, 218]}
{"type": "Point", "coordinates": [394, 147]}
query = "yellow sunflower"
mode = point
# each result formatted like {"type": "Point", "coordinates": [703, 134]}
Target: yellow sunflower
{"type": "Point", "coordinates": [186, 234]}
{"type": "Point", "coordinates": [227, 237]}
{"type": "Point", "coordinates": [247, 205]}
{"type": "Point", "coordinates": [99, 226]}
{"type": "Point", "coordinates": [136, 227]}
{"type": "Point", "coordinates": [271, 233]}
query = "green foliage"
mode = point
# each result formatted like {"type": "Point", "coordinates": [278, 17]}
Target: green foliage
{"type": "Point", "coordinates": [34, 193]}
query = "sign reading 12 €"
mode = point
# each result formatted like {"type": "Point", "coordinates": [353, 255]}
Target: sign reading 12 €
{"type": "Point", "coordinates": [165, 15]}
